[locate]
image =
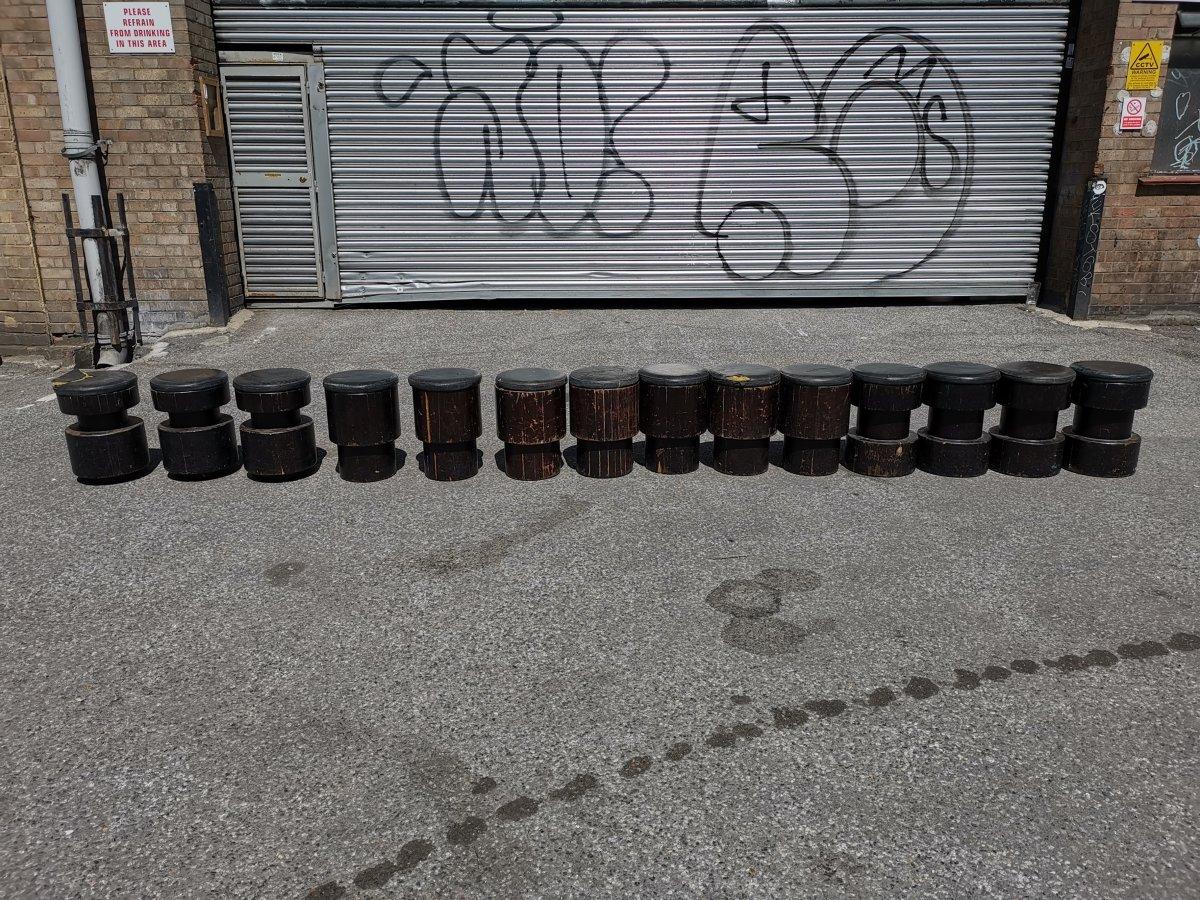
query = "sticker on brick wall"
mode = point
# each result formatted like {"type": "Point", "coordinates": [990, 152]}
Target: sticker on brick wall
{"type": "Point", "coordinates": [1133, 114]}
{"type": "Point", "coordinates": [1145, 61]}
{"type": "Point", "coordinates": [139, 27]}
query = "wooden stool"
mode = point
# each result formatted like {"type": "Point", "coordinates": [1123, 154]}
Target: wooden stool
{"type": "Point", "coordinates": [743, 407]}
{"type": "Point", "coordinates": [1027, 442]}
{"type": "Point", "coordinates": [1101, 442]}
{"type": "Point", "coordinates": [953, 444]}
{"type": "Point", "coordinates": [673, 413]}
{"type": "Point", "coordinates": [278, 442]}
{"type": "Point", "coordinates": [363, 408]}
{"type": "Point", "coordinates": [814, 416]}
{"type": "Point", "coordinates": [446, 407]}
{"type": "Point", "coordinates": [604, 419]}
{"type": "Point", "coordinates": [104, 444]}
{"type": "Point", "coordinates": [881, 444]}
{"type": "Point", "coordinates": [197, 440]}
{"type": "Point", "coordinates": [531, 419]}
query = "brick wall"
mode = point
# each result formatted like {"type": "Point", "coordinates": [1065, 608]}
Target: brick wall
{"type": "Point", "coordinates": [146, 106]}
{"type": "Point", "coordinates": [1148, 260]}
{"type": "Point", "coordinates": [1148, 265]}
{"type": "Point", "coordinates": [22, 306]}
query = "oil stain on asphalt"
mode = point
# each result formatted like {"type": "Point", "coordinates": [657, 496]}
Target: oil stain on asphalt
{"type": "Point", "coordinates": [726, 738]}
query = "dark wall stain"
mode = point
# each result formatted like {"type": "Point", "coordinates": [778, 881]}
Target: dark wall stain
{"type": "Point", "coordinates": [826, 708]}
{"type": "Point", "coordinates": [1183, 642]}
{"type": "Point", "coordinates": [966, 680]}
{"type": "Point", "coordinates": [996, 673]}
{"type": "Point", "coordinates": [678, 751]}
{"type": "Point", "coordinates": [881, 697]}
{"type": "Point", "coordinates": [1024, 666]}
{"type": "Point", "coordinates": [413, 854]}
{"type": "Point", "coordinates": [1144, 650]}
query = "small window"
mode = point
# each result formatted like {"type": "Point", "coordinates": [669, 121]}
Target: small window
{"type": "Point", "coordinates": [208, 90]}
{"type": "Point", "coordinates": [1177, 145]}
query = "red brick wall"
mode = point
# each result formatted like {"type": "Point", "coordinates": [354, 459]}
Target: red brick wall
{"type": "Point", "coordinates": [146, 106]}
{"type": "Point", "coordinates": [22, 307]}
{"type": "Point", "coordinates": [1148, 260]}
{"type": "Point", "coordinates": [1148, 265]}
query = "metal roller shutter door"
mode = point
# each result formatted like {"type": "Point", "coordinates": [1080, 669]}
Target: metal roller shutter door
{"type": "Point", "coordinates": [817, 151]}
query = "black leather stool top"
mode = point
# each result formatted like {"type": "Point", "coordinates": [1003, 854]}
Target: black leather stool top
{"type": "Point", "coordinates": [189, 381]}
{"type": "Point", "coordinates": [530, 379]}
{"type": "Point", "coordinates": [746, 375]}
{"type": "Point", "coordinates": [962, 373]}
{"type": "Point", "coordinates": [673, 374]}
{"type": "Point", "coordinates": [360, 381]}
{"type": "Point", "coordinates": [816, 375]}
{"type": "Point", "coordinates": [271, 381]}
{"type": "Point", "coordinates": [604, 377]}
{"type": "Point", "coordinates": [889, 373]}
{"type": "Point", "coordinates": [444, 379]}
{"type": "Point", "coordinates": [1033, 372]}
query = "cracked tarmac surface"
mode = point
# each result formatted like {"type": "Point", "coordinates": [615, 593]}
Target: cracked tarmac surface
{"type": "Point", "coordinates": [691, 686]}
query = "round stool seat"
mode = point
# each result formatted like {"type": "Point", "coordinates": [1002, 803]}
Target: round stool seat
{"type": "Point", "coordinates": [816, 375]}
{"type": "Point", "coordinates": [271, 381]}
{"type": "Point", "coordinates": [673, 374]}
{"type": "Point", "coordinates": [97, 393]}
{"type": "Point", "coordinates": [444, 379]}
{"type": "Point", "coordinates": [602, 378]}
{"type": "Point", "coordinates": [530, 378]}
{"type": "Point", "coordinates": [888, 373]}
{"type": "Point", "coordinates": [189, 390]}
{"type": "Point", "coordinates": [747, 375]}
{"type": "Point", "coordinates": [360, 381]}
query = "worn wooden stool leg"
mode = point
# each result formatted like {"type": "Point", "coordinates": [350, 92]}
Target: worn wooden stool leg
{"type": "Point", "coordinates": [278, 442]}
{"type": "Point", "coordinates": [604, 419]}
{"type": "Point", "coordinates": [446, 407]}
{"type": "Point", "coordinates": [105, 444]}
{"type": "Point", "coordinates": [673, 413]}
{"type": "Point", "coordinates": [1101, 441]}
{"type": "Point", "coordinates": [814, 416]}
{"type": "Point", "coordinates": [953, 444]}
{"type": "Point", "coordinates": [197, 440]}
{"type": "Point", "coordinates": [1027, 442]}
{"type": "Point", "coordinates": [363, 408]}
{"type": "Point", "coordinates": [531, 419]}
{"type": "Point", "coordinates": [743, 408]}
{"type": "Point", "coordinates": [881, 445]}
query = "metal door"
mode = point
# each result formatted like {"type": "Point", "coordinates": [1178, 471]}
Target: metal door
{"type": "Point", "coordinates": [268, 114]}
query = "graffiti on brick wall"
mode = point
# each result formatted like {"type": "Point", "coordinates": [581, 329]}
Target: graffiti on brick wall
{"type": "Point", "coordinates": [797, 178]}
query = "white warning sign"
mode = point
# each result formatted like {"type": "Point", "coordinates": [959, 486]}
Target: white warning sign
{"type": "Point", "coordinates": [139, 27]}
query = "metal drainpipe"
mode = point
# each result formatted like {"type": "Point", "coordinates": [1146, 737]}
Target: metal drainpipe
{"type": "Point", "coordinates": [79, 144]}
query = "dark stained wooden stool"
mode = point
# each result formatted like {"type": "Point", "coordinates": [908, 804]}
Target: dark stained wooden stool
{"type": "Point", "coordinates": [197, 440]}
{"type": "Point", "coordinates": [1027, 442]}
{"type": "Point", "coordinates": [363, 408]}
{"type": "Point", "coordinates": [954, 444]}
{"type": "Point", "coordinates": [105, 444]}
{"type": "Point", "coordinates": [673, 413]}
{"type": "Point", "coordinates": [881, 444]}
{"type": "Point", "coordinates": [814, 416]}
{"type": "Point", "coordinates": [1101, 441]}
{"type": "Point", "coordinates": [743, 407]}
{"type": "Point", "coordinates": [531, 419]}
{"type": "Point", "coordinates": [604, 419]}
{"type": "Point", "coordinates": [278, 442]}
{"type": "Point", "coordinates": [446, 407]}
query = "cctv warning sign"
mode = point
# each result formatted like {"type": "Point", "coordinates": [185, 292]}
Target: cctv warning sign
{"type": "Point", "coordinates": [1145, 63]}
{"type": "Point", "coordinates": [139, 28]}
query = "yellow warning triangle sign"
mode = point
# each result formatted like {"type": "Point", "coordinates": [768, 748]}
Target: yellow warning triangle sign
{"type": "Point", "coordinates": [1145, 61]}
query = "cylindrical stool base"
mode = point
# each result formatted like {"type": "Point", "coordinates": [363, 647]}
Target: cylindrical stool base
{"type": "Point", "coordinates": [1100, 458]}
{"type": "Point", "coordinates": [804, 457]}
{"type": "Point", "coordinates": [532, 462]}
{"type": "Point", "coordinates": [672, 456]}
{"type": "Point", "coordinates": [365, 464]}
{"type": "Point", "coordinates": [880, 459]}
{"type": "Point", "coordinates": [204, 451]}
{"type": "Point", "coordinates": [741, 457]}
{"type": "Point", "coordinates": [450, 462]}
{"type": "Point", "coordinates": [604, 459]}
{"type": "Point", "coordinates": [1026, 459]}
{"type": "Point", "coordinates": [279, 454]}
{"type": "Point", "coordinates": [105, 456]}
{"type": "Point", "coordinates": [951, 458]}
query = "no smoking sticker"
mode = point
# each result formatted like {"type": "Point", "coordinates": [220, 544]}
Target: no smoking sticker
{"type": "Point", "coordinates": [1133, 114]}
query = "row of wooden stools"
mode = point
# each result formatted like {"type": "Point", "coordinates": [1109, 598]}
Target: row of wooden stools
{"type": "Point", "coordinates": [672, 405]}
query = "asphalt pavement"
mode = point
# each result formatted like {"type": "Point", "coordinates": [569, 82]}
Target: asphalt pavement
{"type": "Point", "coordinates": [982, 687]}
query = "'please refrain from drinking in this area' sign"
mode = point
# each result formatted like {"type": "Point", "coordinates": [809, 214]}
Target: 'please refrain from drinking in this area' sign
{"type": "Point", "coordinates": [139, 27]}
